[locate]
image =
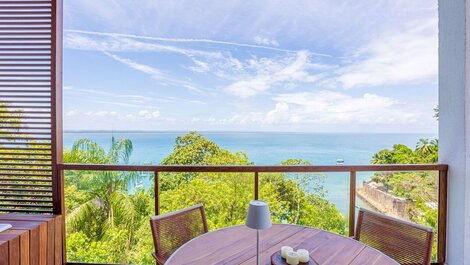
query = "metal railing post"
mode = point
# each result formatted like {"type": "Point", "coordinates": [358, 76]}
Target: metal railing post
{"type": "Point", "coordinates": [256, 185]}
{"type": "Point", "coordinates": [352, 202]}
{"type": "Point", "coordinates": [442, 217]}
{"type": "Point", "coordinates": [156, 190]}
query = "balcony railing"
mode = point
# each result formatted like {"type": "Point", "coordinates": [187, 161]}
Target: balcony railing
{"type": "Point", "coordinates": [256, 170]}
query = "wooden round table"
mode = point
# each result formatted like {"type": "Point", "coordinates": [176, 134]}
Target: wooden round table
{"type": "Point", "coordinates": [237, 245]}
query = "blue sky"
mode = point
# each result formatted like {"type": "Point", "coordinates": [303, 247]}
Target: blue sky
{"type": "Point", "coordinates": [266, 65]}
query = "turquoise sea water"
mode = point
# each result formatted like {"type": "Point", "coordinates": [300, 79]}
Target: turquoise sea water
{"type": "Point", "coordinates": [271, 148]}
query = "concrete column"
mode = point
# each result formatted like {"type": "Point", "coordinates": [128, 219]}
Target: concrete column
{"type": "Point", "coordinates": [454, 122]}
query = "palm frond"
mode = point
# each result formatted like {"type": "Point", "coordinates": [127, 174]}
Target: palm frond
{"type": "Point", "coordinates": [121, 151]}
{"type": "Point", "coordinates": [80, 217]}
{"type": "Point", "coordinates": [123, 209]}
{"type": "Point", "coordinates": [87, 151]}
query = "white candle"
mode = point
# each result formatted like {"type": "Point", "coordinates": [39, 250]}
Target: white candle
{"type": "Point", "coordinates": [292, 258]}
{"type": "Point", "coordinates": [284, 251]}
{"type": "Point", "coordinates": [303, 255]}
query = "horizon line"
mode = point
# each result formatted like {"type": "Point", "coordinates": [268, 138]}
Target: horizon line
{"type": "Point", "coordinates": [228, 131]}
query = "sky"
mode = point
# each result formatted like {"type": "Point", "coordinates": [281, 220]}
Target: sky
{"type": "Point", "coordinates": [265, 65]}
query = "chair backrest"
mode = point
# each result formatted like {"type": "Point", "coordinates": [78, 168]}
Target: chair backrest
{"type": "Point", "coordinates": [405, 242]}
{"type": "Point", "coordinates": [172, 230]}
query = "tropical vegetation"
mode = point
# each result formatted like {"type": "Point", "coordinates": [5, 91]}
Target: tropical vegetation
{"type": "Point", "coordinates": [108, 217]}
{"type": "Point", "coordinates": [419, 188]}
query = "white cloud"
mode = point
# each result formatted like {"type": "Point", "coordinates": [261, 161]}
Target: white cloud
{"type": "Point", "coordinates": [153, 72]}
{"type": "Point", "coordinates": [183, 100]}
{"type": "Point", "coordinates": [329, 107]}
{"type": "Point", "coordinates": [395, 57]}
{"type": "Point", "coordinates": [200, 66]}
{"type": "Point", "coordinates": [280, 112]}
{"type": "Point", "coordinates": [265, 41]}
{"type": "Point", "coordinates": [336, 23]}
{"type": "Point", "coordinates": [339, 108]}
{"type": "Point", "coordinates": [233, 46]}
{"type": "Point", "coordinates": [145, 114]}
{"type": "Point", "coordinates": [77, 119]}
{"type": "Point", "coordinates": [212, 57]}
{"type": "Point", "coordinates": [116, 99]}
{"type": "Point", "coordinates": [77, 37]}
{"type": "Point", "coordinates": [105, 115]}
{"type": "Point", "coordinates": [269, 73]}
{"type": "Point", "coordinates": [107, 94]}
{"type": "Point", "coordinates": [119, 43]}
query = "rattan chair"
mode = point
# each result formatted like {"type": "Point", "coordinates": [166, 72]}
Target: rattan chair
{"type": "Point", "coordinates": [405, 242]}
{"type": "Point", "coordinates": [170, 231]}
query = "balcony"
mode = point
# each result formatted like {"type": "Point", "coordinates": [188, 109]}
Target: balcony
{"type": "Point", "coordinates": [33, 174]}
{"type": "Point", "coordinates": [254, 177]}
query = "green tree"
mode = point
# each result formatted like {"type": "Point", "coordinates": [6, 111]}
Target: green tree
{"type": "Point", "coordinates": [194, 149]}
{"type": "Point", "coordinates": [99, 203]}
{"type": "Point", "coordinates": [226, 195]}
{"type": "Point", "coordinates": [383, 157]}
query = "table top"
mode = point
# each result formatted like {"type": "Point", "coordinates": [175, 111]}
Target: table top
{"type": "Point", "coordinates": [237, 245]}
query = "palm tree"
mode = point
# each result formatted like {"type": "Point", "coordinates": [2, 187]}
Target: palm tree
{"type": "Point", "coordinates": [434, 147]}
{"type": "Point", "coordinates": [427, 150]}
{"type": "Point", "coordinates": [108, 201]}
{"type": "Point", "coordinates": [423, 147]}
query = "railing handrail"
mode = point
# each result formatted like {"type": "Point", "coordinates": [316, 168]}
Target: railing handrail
{"type": "Point", "coordinates": [251, 169]}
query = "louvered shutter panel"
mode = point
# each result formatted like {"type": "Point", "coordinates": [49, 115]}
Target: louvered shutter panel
{"type": "Point", "coordinates": [29, 99]}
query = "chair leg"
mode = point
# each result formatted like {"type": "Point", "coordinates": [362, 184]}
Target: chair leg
{"type": "Point", "coordinates": [156, 259]}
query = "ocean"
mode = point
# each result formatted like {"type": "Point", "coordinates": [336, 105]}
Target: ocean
{"type": "Point", "coordinates": [271, 148]}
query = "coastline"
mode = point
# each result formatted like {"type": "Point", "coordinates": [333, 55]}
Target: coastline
{"type": "Point", "coordinates": [384, 202]}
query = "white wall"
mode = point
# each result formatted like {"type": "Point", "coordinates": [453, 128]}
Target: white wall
{"type": "Point", "coordinates": [454, 126]}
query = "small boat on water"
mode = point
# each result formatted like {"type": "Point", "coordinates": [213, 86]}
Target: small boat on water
{"type": "Point", "coordinates": [340, 161]}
